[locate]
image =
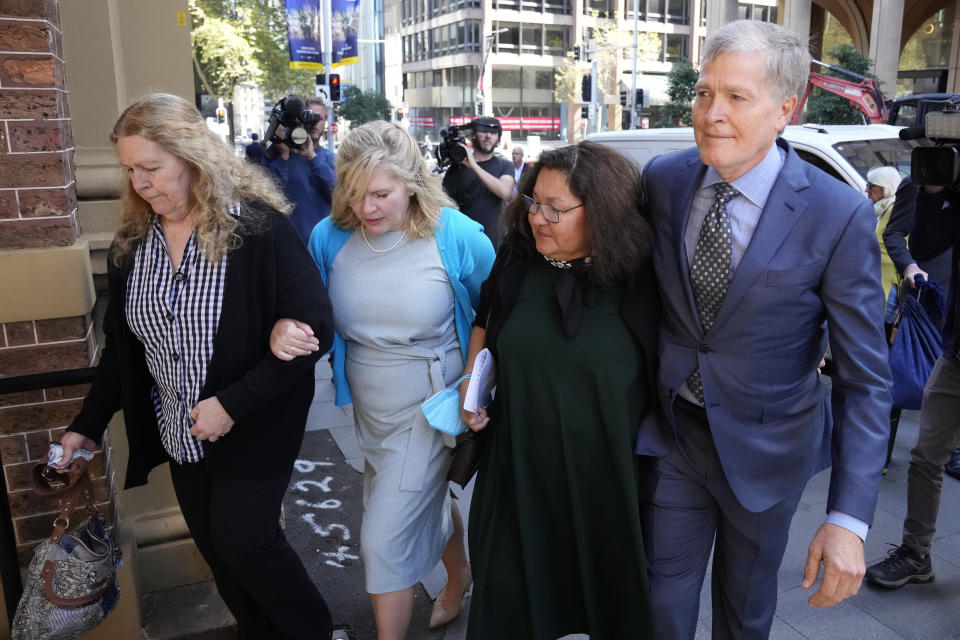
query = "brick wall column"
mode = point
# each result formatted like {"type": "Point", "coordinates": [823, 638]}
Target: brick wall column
{"type": "Point", "coordinates": [38, 227]}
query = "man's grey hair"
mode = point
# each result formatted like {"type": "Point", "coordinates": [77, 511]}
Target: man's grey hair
{"type": "Point", "coordinates": [788, 58]}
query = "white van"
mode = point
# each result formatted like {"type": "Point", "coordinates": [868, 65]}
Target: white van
{"type": "Point", "coordinates": [846, 152]}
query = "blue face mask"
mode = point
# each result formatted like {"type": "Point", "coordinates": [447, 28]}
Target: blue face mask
{"type": "Point", "coordinates": [442, 410]}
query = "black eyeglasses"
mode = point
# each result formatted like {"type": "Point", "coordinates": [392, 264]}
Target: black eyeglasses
{"type": "Point", "coordinates": [550, 212]}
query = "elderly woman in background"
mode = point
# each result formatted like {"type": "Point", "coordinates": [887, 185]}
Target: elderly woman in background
{"type": "Point", "coordinates": [570, 314]}
{"type": "Point", "coordinates": [204, 263]}
{"type": "Point", "coordinates": [882, 183]}
{"type": "Point", "coordinates": [404, 271]}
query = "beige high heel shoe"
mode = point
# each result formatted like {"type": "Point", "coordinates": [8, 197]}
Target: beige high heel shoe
{"type": "Point", "coordinates": [442, 616]}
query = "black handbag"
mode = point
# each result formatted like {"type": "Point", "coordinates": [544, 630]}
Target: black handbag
{"type": "Point", "coordinates": [466, 457]}
{"type": "Point", "coordinates": [71, 583]}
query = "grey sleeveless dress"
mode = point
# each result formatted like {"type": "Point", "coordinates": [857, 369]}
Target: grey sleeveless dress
{"type": "Point", "coordinates": [395, 311]}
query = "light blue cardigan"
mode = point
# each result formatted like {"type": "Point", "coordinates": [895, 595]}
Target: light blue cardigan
{"type": "Point", "coordinates": [467, 257]}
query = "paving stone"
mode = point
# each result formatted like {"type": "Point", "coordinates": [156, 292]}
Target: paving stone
{"type": "Point", "coordinates": [917, 612]}
{"type": "Point", "coordinates": [844, 621]}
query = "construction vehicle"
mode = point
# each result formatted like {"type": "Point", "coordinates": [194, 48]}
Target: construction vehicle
{"type": "Point", "coordinates": [864, 93]}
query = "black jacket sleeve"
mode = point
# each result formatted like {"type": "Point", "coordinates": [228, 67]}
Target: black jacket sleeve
{"type": "Point", "coordinates": [937, 226]}
{"type": "Point", "coordinates": [901, 224]}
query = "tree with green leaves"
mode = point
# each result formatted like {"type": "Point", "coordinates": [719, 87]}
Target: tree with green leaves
{"type": "Point", "coordinates": [681, 81]}
{"type": "Point", "coordinates": [222, 53]}
{"type": "Point", "coordinates": [824, 107]}
{"type": "Point", "coordinates": [245, 40]}
{"type": "Point", "coordinates": [362, 106]}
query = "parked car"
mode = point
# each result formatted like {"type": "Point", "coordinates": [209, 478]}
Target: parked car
{"type": "Point", "coordinates": [909, 110]}
{"type": "Point", "coordinates": [846, 152]}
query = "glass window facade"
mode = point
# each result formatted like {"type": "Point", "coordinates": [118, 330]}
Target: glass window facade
{"type": "Point", "coordinates": [462, 37]}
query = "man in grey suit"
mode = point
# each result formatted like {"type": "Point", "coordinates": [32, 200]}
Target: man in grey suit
{"type": "Point", "coordinates": [759, 256]}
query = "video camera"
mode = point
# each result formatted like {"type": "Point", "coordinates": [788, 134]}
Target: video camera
{"type": "Point", "coordinates": [937, 165]}
{"type": "Point", "coordinates": [296, 121]}
{"type": "Point", "coordinates": [449, 150]}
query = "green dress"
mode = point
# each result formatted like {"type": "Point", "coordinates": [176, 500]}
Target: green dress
{"type": "Point", "coordinates": [555, 538]}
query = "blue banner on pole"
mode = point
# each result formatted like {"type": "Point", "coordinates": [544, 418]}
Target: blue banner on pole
{"type": "Point", "coordinates": [346, 21]}
{"type": "Point", "coordinates": [303, 33]}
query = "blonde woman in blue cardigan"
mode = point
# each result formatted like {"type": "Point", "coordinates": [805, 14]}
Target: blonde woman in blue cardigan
{"type": "Point", "coordinates": [403, 269]}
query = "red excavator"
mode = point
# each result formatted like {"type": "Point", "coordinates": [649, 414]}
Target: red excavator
{"type": "Point", "coordinates": [864, 93]}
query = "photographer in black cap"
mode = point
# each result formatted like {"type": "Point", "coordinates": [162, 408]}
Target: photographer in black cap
{"type": "Point", "coordinates": [483, 181]}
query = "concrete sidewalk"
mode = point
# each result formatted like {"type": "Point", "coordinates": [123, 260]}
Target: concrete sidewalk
{"type": "Point", "coordinates": [915, 612]}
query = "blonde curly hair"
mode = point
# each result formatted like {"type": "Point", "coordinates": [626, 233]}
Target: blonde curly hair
{"type": "Point", "coordinates": [218, 178]}
{"type": "Point", "coordinates": [383, 145]}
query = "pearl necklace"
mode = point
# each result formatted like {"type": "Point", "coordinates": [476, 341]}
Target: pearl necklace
{"type": "Point", "coordinates": [363, 234]}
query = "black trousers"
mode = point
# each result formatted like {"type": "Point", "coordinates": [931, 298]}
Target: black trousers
{"type": "Point", "coordinates": [235, 524]}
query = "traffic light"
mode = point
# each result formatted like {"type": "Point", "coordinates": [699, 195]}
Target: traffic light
{"type": "Point", "coordinates": [334, 87]}
{"type": "Point", "coordinates": [576, 52]}
{"type": "Point", "coordinates": [586, 89]}
{"type": "Point", "coordinates": [221, 115]}
{"type": "Point", "coordinates": [623, 98]}
{"type": "Point", "coordinates": [399, 113]}
{"type": "Point", "coordinates": [639, 98]}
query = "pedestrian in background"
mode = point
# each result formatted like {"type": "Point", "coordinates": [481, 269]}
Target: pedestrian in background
{"type": "Point", "coordinates": [570, 313]}
{"type": "Point", "coordinates": [404, 271]}
{"type": "Point", "coordinates": [254, 150]}
{"type": "Point", "coordinates": [882, 183]}
{"type": "Point", "coordinates": [203, 264]}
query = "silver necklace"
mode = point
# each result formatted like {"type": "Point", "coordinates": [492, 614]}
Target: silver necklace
{"type": "Point", "coordinates": [396, 244]}
{"type": "Point", "coordinates": [563, 264]}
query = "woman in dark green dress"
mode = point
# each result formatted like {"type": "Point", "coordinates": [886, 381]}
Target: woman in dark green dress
{"type": "Point", "coordinates": [569, 313]}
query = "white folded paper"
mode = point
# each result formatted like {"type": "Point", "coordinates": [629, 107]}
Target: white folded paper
{"type": "Point", "coordinates": [483, 379]}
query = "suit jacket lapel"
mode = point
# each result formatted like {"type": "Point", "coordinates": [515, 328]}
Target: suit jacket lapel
{"type": "Point", "coordinates": [784, 207]}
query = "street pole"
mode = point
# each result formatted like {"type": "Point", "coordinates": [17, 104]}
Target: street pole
{"type": "Point", "coordinates": [328, 60]}
{"type": "Point", "coordinates": [478, 97]}
{"type": "Point", "coordinates": [594, 97]}
{"type": "Point", "coordinates": [633, 91]}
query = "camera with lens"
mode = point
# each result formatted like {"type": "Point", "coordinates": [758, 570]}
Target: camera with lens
{"type": "Point", "coordinates": [449, 150]}
{"type": "Point", "coordinates": [296, 121]}
{"type": "Point", "coordinates": [937, 162]}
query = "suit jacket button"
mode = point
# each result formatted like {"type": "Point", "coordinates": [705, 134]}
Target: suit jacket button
{"type": "Point", "coordinates": [704, 348]}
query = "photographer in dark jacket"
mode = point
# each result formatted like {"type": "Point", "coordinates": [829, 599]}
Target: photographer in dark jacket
{"type": "Point", "coordinates": [937, 229]}
{"type": "Point", "coordinates": [483, 181]}
{"type": "Point", "coordinates": [937, 269]}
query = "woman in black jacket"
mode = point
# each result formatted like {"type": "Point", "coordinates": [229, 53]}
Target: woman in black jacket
{"type": "Point", "coordinates": [203, 264]}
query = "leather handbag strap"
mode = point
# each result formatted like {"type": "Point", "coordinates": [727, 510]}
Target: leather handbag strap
{"type": "Point", "coordinates": [70, 486]}
{"type": "Point", "coordinates": [49, 569]}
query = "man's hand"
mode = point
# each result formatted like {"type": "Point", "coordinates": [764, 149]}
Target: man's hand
{"type": "Point", "coordinates": [470, 161]}
{"type": "Point", "coordinates": [307, 150]}
{"type": "Point", "coordinates": [210, 420]}
{"type": "Point", "coordinates": [841, 553]}
{"type": "Point", "coordinates": [282, 150]}
{"type": "Point", "coordinates": [911, 272]}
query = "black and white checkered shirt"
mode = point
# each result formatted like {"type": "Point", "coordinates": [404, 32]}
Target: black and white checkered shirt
{"type": "Point", "coordinates": [175, 314]}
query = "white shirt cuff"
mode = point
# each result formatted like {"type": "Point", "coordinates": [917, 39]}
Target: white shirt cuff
{"type": "Point", "coordinates": [849, 523]}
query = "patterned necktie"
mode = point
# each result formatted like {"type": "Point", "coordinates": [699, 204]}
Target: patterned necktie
{"type": "Point", "coordinates": [711, 266]}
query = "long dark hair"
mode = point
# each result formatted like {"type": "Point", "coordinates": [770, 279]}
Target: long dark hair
{"type": "Point", "coordinates": [608, 185]}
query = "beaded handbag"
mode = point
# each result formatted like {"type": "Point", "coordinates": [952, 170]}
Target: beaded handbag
{"type": "Point", "coordinates": [71, 583]}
